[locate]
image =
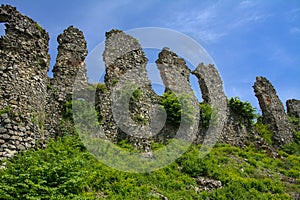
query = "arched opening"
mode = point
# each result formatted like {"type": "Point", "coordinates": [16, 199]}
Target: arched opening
{"type": "Point", "coordinates": [196, 87]}
{"type": "Point", "coordinates": [153, 72]}
{"type": "Point", "coordinates": [2, 29]}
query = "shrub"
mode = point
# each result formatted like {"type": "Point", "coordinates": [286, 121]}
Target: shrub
{"type": "Point", "coordinates": [172, 104]}
{"type": "Point", "coordinates": [136, 95]}
{"type": "Point", "coordinates": [263, 131]}
{"type": "Point", "coordinates": [294, 120]}
{"type": "Point", "coordinates": [244, 111]}
{"type": "Point", "coordinates": [101, 87]}
{"type": "Point", "coordinates": [38, 26]}
{"type": "Point", "coordinates": [206, 114]}
{"type": "Point", "coordinates": [6, 110]}
{"type": "Point", "coordinates": [46, 173]}
{"type": "Point", "coordinates": [139, 119]}
{"type": "Point", "coordinates": [293, 148]}
{"type": "Point", "coordinates": [67, 111]}
{"type": "Point", "coordinates": [126, 145]}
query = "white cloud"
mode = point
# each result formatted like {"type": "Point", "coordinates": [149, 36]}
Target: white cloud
{"type": "Point", "coordinates": [293, 15]}
{"type": "Point", "coordinates": [294, 30]}
{"type": "Point", "coordinates": [247, 4]}
{"type": "Point", "coordinates": [215, 21]}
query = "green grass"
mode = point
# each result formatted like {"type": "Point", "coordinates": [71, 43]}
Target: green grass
{"type": "Point", "coordinates": [65, 170]}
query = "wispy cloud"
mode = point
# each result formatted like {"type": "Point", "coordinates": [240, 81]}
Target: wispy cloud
{"type": "Point", "coordinates": [214, 22]}
{"type": "Point", "coordinates": [247, 4]}
{"type": "Point", "coordinates": [293, 15]}
{"type": "Point", "coordinates": [294, 30]}
{"type": "Point", "coordinates": [279, 54]}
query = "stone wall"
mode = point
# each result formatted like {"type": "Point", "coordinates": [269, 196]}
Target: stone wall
{"type": "Point", "coordinates": [293, 108]}
{"type": "Point", "coordinates": [175, 76]}
{"type": "Point", "coordinates": [273, 111]}
{"type": "Point", "coordinates": [211, 86]}
{"type": "Point", "coordinates": [69, 66]}
{"type": "Point", "coordinates": [127, 103]}
{"type": "Point", "coordinates": [24, 62]}
{"type": "Point", "coordinates": [32, 104]}
{"type": "Point", "coordinates": [171, 69]}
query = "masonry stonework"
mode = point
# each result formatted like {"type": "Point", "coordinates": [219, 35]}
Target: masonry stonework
{"type": "Point", "coordinates": [24, 62]}
{"type": "Point", "coordinates": [293, 108]}
{"type": "Point", "coordinates": [128, 101]}
{"type": "Point", "coordinates": [175, 76]}
{"type": "Point", "coordinates": [32, 104]}
{"type": "Point", "coordinates": [273, 111]}
{"type": "Point", "coordinates": [69, 69]}
{"type": "Point", "coordinates": [211, 86]}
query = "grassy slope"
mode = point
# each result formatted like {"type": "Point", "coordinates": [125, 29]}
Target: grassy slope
{"type": "Point", "coordinates": [65, 170]}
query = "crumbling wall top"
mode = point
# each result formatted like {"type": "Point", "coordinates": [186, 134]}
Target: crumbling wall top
{"type": "Point", "coordinates": [72, 44]}
{"type": "Point", "coordinates": [293, 107]}
{"type": "Point", "coordinates": [118, 44]}
{"type": "Point", "coordinates": [70, 65]}
{"type": "Point", "coordinates": [170, 61]}
{"type": "Point", "coordinates": [15, 21]}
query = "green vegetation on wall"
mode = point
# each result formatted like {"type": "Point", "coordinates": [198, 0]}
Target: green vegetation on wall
{"type": "Point", "coordinates": [207, 114]}
{"type": "Point", "coordinates": [264, 131]}
{"type": "Point", "coordinates": [293, 148]}
{"type": "Point", "coordinates": [244, 111]}
{"type": "Point", "coordinates": [172, 104]}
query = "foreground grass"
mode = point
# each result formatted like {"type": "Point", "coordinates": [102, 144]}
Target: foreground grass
{"type": "Point", "coordinates": [65, 170]}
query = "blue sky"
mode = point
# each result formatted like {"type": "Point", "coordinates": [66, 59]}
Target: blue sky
{"type": "Point", "coordinates": [245, 38]}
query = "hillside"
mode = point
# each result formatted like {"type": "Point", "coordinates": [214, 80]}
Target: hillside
{"type": "Point", "coordinates": [65, 170]}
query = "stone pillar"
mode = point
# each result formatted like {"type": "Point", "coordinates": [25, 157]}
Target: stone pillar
{"type": "Point", "coordinates": [293, 108]}
{"type": "Point", "coordinates": [125, 113]}
{"type": "Point", "coordinates": [175, 75]}
{"type": "Point", "coordinates": [169, 65]}
{"type": "Point", "coordinates": [273, 111]}
{"type": "Point", "coordinates": [69, 66]}
{"type": "Point", "coordinates": [24, 62]}
{"type": "Point", "coordinates": [211, 86]}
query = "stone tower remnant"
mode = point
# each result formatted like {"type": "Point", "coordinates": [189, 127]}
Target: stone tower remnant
{"type": "Point", "coordinates": [175, 75]}
{"type": "Point", "coordinates": [127, 103]}
{"type": "Point", "coordinates": [32, 104]}
{"type": "Point", "coordinates": [170, 65]}
{"type": "Point", "coordinates": [273, 111]}
{"type": "Point", "coordinates": [293, 108]}
{"type": "Point", "coordinates": [24, 62]}
{"type": "Point", "coordinates": [69, 66]}
{"type": "Point", "coordinates": [211, 86]}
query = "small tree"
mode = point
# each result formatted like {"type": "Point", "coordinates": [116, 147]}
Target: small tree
{"type": "Point", "coordinates": [244, 111]}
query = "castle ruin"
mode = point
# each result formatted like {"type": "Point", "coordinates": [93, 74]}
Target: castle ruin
{"type": "Point", "coordinates": [31, 103]}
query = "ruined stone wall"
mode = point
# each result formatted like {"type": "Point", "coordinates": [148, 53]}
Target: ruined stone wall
{"type": "Point", "coordinates": [32, 104]}
{"type": "Point", "coordinates": [68, 69]}
{"type": "Point", "coordinates": [211, 86]}
{"type": "Point", "coordinates": [123, 116]}
{"type": "Point", "coordinates": [273, 111]}
{"type": "Point", "coordinates": [24, 62]}
{"type": "Point", "coordinates": [293, 108]}
{"type": "Point", "coordinates": [171, 69]}
{"type": "Point", "coordinates": [237, 133]}
{"type": "Point", "coordinates": [175, 76]}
